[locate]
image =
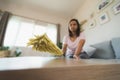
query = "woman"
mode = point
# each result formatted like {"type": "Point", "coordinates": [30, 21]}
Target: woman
{"type": "Point", "coordinates": [74, 42]}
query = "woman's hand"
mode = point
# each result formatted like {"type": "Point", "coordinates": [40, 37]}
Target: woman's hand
{"type": "Point", "coordinates": [76, 57]}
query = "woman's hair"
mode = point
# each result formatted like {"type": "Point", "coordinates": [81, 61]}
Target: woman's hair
{"type": "Point", "coordinates": [78, 28]}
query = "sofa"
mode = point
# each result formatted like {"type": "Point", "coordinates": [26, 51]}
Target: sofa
{"type": "Point", "coordinates": [104, 50]}
{"type": "Point", "coordinates": [107, 49]}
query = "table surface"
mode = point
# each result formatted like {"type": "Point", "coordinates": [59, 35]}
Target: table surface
{"type": "Point", "coordinates": [21, 63]}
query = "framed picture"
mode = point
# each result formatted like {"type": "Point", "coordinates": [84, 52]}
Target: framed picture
{"type": "Point", "coordinates": [103, 4]}
{"type": "Point", "coordinates": [92, 24]}
{"type": "Point", "coordinates": [116, 8]}
{"type": "Point", "coordinates": [103, 18]}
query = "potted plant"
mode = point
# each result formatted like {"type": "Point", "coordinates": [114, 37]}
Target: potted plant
{"type": "Point", "coordinates": [59, 45]}
{"type": "Point", "coordinates": [4, 51]}
{"type": "Point", "coordinates": [18, 52]}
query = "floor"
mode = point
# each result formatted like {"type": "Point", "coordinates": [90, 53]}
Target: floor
{"type": "Point", "coordinates": [50, 68]}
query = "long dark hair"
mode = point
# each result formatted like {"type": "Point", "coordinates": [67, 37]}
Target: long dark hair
{"type": "Point", "coordinates": [78, 28]}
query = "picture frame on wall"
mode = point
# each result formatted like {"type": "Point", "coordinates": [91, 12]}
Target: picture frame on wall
{"type": "Point", "coordinates": [103, 18]}
{"type": "Point", "coordinates": [116, 8]}
{"type": "Point", "coordinates": [92, 24]}
{"type": "Point", "coordinates": [103, 4]}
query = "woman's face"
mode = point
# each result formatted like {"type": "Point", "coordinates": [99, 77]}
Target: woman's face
{"type": "Point", "coordinates": [73, 26]}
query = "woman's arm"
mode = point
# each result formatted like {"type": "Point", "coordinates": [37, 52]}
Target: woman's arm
{"type": "Point", "coordinates": [64, 48]}
{"type": "Point", "coordinates": [79, 49]}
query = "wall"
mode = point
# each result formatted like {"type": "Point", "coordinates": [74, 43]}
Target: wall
{"type": "Point", "coordinates": [30, 12]}
{"type": "Point", "coordinates": [102, 32]}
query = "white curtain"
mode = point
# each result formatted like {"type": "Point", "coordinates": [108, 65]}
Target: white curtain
{"type": "Point", "coordinates": [20, 30]}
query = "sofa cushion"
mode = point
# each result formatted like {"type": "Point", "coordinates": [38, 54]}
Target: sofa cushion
{"type": "Point", "coordinates": [116, 47]}
{"type": "Point", "coordinates": [90, 50]}
{"type": "Point", "coordinates": [104, 50]}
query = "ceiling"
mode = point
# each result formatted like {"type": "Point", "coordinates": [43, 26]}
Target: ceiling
{"type": "Point", "coordinates": [64, 8]}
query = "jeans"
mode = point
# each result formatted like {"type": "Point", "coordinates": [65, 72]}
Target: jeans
{"type": "Point", "coordinates": [83, 55]}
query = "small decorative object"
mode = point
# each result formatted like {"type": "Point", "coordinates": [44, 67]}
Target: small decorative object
{"type": "Point", "coordinates": [18, 52]}
{"type": "Point", "coordinates": [103, 18]}
{"type": "Point", "coordinates": [116, 8]}
{"type": "Point", "coordinates": [103, 4]}
{"type": "Point", "coordinates": [92, 24]}
{"type": "Point", "coordinates": [92, 15]}
{"type": "Point", "coordinates": [83, 22]}
{"type": "Point", "coordinates": [4, 51]}
{"type": "Point", "coordinates": [82, 29]}
{"type": "Point", "coordinates": [44, 44]}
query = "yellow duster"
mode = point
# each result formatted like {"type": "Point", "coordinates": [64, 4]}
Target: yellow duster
{"type": "Point", "coordinates": [44, 44]}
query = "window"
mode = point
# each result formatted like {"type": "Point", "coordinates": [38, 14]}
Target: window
{"type": "Point", "coordinates": [20, 30]}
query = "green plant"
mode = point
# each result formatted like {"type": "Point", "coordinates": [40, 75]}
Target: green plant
{"type": "Point", "coordinates": [59, 45]}
{"type": "Point", "coordinates": [3, 48]}
{"type": "Point", "coordinates": [18, 52]}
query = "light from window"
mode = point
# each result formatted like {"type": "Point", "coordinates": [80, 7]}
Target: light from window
{"type": "Point", "coordinates": [20, 30]}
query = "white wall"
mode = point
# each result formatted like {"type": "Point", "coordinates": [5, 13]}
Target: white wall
{"type": "Point", "coordinates": [33, 13]}
{"type": "Point", "coordinates": [102, 32]}
{"type": "Point", "coordinates": [28, 12]}
{"type": "Point", "coordinates": [98, 34]}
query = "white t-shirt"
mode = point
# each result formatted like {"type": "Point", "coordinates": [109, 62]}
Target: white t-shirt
{"type": "Point", "coordinates": [72, 45]}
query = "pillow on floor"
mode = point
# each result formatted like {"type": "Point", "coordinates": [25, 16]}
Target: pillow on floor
{"type": "Point", "coordinates": [116, 47]}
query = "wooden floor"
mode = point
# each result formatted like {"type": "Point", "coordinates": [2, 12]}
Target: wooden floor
{"type": "Point", "coordinates": [49, 68]}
